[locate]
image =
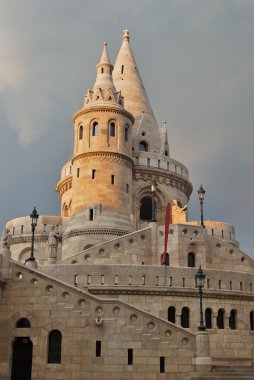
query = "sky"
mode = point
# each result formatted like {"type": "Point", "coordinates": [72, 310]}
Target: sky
{"type": "Point", "coordinates": [196, 59]}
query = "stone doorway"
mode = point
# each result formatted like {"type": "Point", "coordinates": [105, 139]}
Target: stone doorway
{"type": "Point", "coordinates": [22, 359]}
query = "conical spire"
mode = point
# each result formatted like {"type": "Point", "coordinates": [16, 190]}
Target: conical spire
{"type": "Point", "coordinates": [104, 72]}
{"type": "Point", "coordinates": [127, 80]}
{"type": "Point", "coordinates": [104, 56]}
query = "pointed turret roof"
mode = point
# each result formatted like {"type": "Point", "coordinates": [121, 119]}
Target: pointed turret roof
{"type": "Point", "coordinates": [128, 80]}
{"type": "Point", "coordinates": [104, 72]}
{"type": "Point", "coordinates": [104, 88]}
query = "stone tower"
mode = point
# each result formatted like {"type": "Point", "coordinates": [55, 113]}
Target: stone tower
{"type": "Point", "coordinates": [96, 191]}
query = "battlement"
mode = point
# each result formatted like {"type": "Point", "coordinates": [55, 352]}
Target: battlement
{"type": "Point", "coordinates": [159, 161]}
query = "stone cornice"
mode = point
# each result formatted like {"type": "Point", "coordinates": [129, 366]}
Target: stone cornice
{"type": "Point", "coordinates": [104, 108]}
{"type": "Point", "coordinates": [28, 238]}
{"type": "Point", "coordinates": [163, 176]}
{"type": "Point", "coordinates": [95, 231]}
{"type": "Point", "coordinates": [102, 156]}
{"type": "Point", "coordinates": [170, 291]}
{"type": "Point", "coordinates": [64, 184]}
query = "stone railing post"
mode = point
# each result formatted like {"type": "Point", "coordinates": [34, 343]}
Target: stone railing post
{"type": "Point", "coordinates": [203, 360]}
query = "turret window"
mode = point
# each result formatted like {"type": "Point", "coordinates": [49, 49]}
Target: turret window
{"type": "Point", "coordinates": [77, 172]}
{"type": "Point", "coordinates": [95, 128]}
{"type": "Point", "coordinates": [112, 179]}
{"type": "Point", "coordinates": [102, 70]}
{"type": "Point", "coordinates": [143, 147]}
{"type": "Point", "coordinates": [93, 173]}
{"type": "Point", "coordinates": [126, 134]}
{"type": "Point", "coordinates": [81, 132]}
{"type": "Point", "coordinates": [112, 129]}
{"type": "Point", "coordinates": [122, 69]}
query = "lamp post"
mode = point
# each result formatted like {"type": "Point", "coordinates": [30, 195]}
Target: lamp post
{"type": "Point", "coordinates": [200, 279]}
{"type": "Point", "coordinates": [201, 197]}
{"type": "Point", "coordinates": [153, 189]}
{"type": "Point", "coordinates": [34, 216]}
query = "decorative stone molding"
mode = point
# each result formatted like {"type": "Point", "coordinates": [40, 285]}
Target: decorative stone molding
{"type": "Point", "coordinates": [104, 108]}
{"type": "Point", "coordinates": [102, 231]}
{"type": "Point", "coordinates": [104, 156]}
{"type": "Point", "coordinates": [64, 185]}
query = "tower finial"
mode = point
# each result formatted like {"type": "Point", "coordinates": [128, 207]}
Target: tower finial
{"type": "Point", "coordinates": [126, 35]}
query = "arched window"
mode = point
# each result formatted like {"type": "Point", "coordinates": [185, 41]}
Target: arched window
{"type": "Point", "coordinates": [191, 259]}
{"type": "Point", "coordinates": [54, 346]}
{"type": "Point", "coordinates": [146, 208]}
{"type": "Point", "coordinates": [185, 317]}
{"type": "Point", "coordinates": [208, 318]}
{"type": "Point", "coordinates": [23, 323]}
{"type": "Point", "coordinates": [112, 129]}
{"type": "Point", "coordinates": [166, 153]}
{"type": "Point", "coordinates": [220, 319]}
{"type": "Point", "coordinates": [232, 319]}
{"type": "Point", "coordinates": [80, 132]}
{"type": "Point", "coordinates": [252, 320]}
{"type": "Point", "coordinates": [172, 314]}
{"type": "Point", "coordinates": [143, 147]}
{"type": "Point", "coordinates": [126, 134]}
{"type": "Point", "coordinates": [95, 128]}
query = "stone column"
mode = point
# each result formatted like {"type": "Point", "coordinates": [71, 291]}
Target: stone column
{"type": "Point", "coordinates": [203, 360]}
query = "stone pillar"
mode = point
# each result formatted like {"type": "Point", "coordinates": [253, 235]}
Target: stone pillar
{"type": "Point", "coordinates": [203, 360]}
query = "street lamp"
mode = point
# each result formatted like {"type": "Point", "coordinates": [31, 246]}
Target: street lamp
{"type": "Point", "coordinates": [201, 197]}
{"type": "Point", "coordinates": [34, 216]}
{"type": "Point", "coordinates": [200, 281]}
{"type": "Point", "coordinates": [153, 190]}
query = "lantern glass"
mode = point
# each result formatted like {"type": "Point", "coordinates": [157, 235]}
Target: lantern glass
{"type": "Point", "coordinates": [200, 277]}
{"type": "Point", "coordinates": [34, 216]}
{"type": "Point", "coordinates": [201, 193]}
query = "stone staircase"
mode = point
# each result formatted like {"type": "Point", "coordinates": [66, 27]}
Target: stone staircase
{"type": "Point", "coordinates": [226, 373]}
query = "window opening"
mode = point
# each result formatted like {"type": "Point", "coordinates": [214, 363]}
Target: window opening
{"type": "Point", "coordinates": [232, 319]}
{"type": "Point", "coordinates": [208, 318]}
{"type": "Point", "coordinates": [126, 134]}
{"type": "Point", "coordinates": [172, 314]}
{"type": "Point", "coordinates": [185, 317]}
{"type": "Point", "coordinates": [93, 173]}
{"type": "Point", "coordinates": [252, 320]}
{"type": "Point", "coordinates": [112, 128]}
{"type": "Point", "coordinates": [143, 147]}
{"type": "Point", "coordinates": [130, 356]}
{"type": "Point", "coordinates": [95, 128]}
{"type": "Point", "coordinates": [23, 323]}
{"type": "Point", "coordinates": [112, 179]}
{"type": "Point", "coordinates": [220, 319]}
{"type": "Point", "coordinates": [162, 364]}
{"type": "Point", "coordinates": [191, 259]}
{"type": "Point", "coordinates": [90, 214]}
{"type": "Point", "coordinates": [122, 69]}
{"type": "Point", "coordinates": [77, 172]}
{"type": "Point", "coordinates": [98, 349]}
{"type": "Point", "coordinates": [54, 346]}
{"type": "Point", "coordinates": [81, 132]}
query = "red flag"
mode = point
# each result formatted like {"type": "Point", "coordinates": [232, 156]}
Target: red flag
{"type": "Point", "coordinates": [167, 219]}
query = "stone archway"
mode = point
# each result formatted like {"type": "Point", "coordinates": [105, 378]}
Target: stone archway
{"type": "Point", "coordinates": [143, 205]}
